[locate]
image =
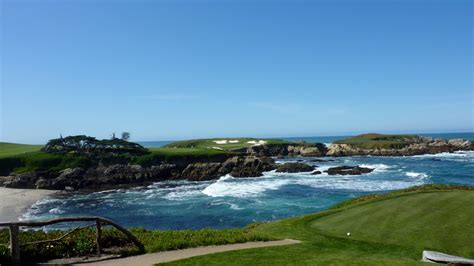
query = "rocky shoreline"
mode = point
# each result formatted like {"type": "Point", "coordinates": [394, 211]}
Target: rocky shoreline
{"type": "Point", "coordinates": [251, 162]}
{"type": "Point", "coordinates": [422, 146]}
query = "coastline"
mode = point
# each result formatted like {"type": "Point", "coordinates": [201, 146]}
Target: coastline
{"type": "Point", "coordinates": [14, 202]}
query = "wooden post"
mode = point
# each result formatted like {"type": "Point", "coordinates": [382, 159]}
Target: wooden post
{"type": "Point", "coordinates": [98, 235]}
{"type": "Point", "coordinates": [14, 244]}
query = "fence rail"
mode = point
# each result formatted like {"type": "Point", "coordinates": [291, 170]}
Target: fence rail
{"type": "Point", "coordinates": [99, 222]}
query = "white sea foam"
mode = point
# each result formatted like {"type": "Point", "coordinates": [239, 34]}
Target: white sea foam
{"type": "Point", "coordinates": [417, 175]}
{"type": "Point", "coordinates": [358, 184]}
{"type": "Point", "coordinates": [447, 154]}
{"type": "Point", "coordinates": [380, 167]}
{"type": "Point", "coordinates": [56, 211]}
{"type": "Point", "coordinates": [242, 187]}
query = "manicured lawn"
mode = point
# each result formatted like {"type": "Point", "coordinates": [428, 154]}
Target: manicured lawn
{"type": "Point", "coordinates": [11, 149]}
{"type": "Point", "coordinates": [210, 143]}
{"type": "Point", "coordinates": [392, 230]}
{"type": "Point", "coordinates": [373, 141]}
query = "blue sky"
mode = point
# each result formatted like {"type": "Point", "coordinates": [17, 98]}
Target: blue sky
{"type": "Point", "coordinates": [190, 69]}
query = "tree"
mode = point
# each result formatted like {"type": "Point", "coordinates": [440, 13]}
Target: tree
{"type": "Point", "coordinates": [125, 136]}
{"type": "Point", "coordinates": [92, 147]}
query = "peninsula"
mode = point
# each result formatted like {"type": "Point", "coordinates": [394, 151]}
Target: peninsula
{"type": "Point", "coordinates": [83, 162]}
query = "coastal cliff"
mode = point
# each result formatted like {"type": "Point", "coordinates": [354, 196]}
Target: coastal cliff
{"type": "Point", "coordinates": [126, 175]}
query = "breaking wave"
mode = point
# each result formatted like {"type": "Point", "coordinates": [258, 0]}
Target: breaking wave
{"type": "Point", "coordinates": [417, 175]}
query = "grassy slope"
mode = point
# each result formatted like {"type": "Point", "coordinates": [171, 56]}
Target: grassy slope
{"type": "Point", "coordinates": [385, 231]}
{"type": "Point", "coordinates": [12, 149]}
{"type": "Point", "coordinates": [209, 143]}
{"type": "Point", "coordinates": [373, 140]}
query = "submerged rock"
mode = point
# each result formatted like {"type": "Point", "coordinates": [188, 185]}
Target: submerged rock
{"type": "Point", "coordinates": [348, 170]}
{"type": "Point", "coordinates": [294, 168]}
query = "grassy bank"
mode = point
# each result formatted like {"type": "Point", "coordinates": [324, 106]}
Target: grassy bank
{"type": "Point", "coordinates": [41, 161]}
{"type": "Point", "coordinates": [381, 141]}
{"type": "Point", "coordinates": [82, 243]}
{"type": "Point", "coordinates": [386, 230]}
{"type": "Point", "coordinates": [12, 149]}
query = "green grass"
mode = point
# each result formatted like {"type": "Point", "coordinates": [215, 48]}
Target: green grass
{"type": "Point", "coordinates": [12, 149]}
{"type": "Point", "coordinates": [374, 141]}
{"type": "Point", "coordinates": [209, 143]}
{"type": "Point", "coordinates": [389, 230]}
{"type": "Point", "coordinates": [41, 161]}
{"type": "Point", "coordinates": [158, 240]}
{"type": "Point", "coordinates": [180, 155]}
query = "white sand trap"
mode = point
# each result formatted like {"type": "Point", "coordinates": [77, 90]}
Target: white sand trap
{"type": "Point", "coordinates": [224, 141]}
{"type": "Point", "coordinates": [257, 143]}
{"type": "Point", "coordinates": [217, 148]}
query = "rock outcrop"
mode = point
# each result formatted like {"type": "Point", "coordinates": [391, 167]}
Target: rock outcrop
{"type": "Point", "coordinates": [294, 168]}
{"type": "Point", "coordinates": [296, 149]}
{"type": "Point", "coordinates": [422, 146]}
{"type": "Point", "coordinates": [348, 170]}
{"type": "Point", "coordinates": [123, 175]}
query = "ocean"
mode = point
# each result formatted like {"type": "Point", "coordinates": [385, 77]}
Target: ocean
{"type": "Point", "coordinates": [235, 202]}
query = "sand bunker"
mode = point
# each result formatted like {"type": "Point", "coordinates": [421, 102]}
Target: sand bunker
{"type": "Point", "coordinates": [257, 143]}
{"type": "Point", "coordinates": [224, 141]}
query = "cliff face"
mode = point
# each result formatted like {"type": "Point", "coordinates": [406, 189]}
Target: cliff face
{"type": "Point", "coordinates": [125, 175]}
{"type": "Point", "coordinates": [297, 149]}
{"type": "Point", "coordinates": [423, 146]}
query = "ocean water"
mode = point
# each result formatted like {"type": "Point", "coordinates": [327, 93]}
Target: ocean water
{"type": "Point", "coordinates": [234, 202]}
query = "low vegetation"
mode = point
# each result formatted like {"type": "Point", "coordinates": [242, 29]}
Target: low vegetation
{"type": "Point", "coordinates": [82, 243]}
{"type": "Point", "coordinates": [180, 154]}
{"type": "Point", "coordinates": [381, 141]}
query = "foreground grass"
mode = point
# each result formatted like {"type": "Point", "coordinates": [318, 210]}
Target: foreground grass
{"type": "Point", "coordinates": [82, 243]}
{"type": "Point", "coordinates": [382, 141]}
{"type": "Point", "coordinates": [389, 230]}
{"type": "Point", "coordinates": [12, 149]}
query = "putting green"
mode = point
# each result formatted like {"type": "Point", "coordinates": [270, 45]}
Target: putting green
{"type": "Point", "coordinates": [393, 230]}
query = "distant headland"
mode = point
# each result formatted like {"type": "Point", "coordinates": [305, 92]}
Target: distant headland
{"type": "Point", "coordinates": [84, 162]}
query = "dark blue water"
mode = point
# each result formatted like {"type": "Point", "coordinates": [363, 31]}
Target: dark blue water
{"type": "Point", "coordinates": [235, 202]}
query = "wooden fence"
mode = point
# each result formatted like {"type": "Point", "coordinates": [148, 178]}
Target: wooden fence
{"type": "Point", "coordinates": [99, 222]}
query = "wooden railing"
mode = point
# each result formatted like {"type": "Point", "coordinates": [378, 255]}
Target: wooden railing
{"type": "Point", "coordinates": [99, 222]}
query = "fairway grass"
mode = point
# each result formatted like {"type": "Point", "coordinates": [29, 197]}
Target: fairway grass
{"type": "Point", "coordinates": [211, 144]}
{"type": "Point", "coordinates": [12, 149]}
{"type": "Point", "coordinates": [393, 230]}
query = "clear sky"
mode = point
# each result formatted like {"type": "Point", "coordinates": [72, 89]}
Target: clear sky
{"type": "Point", "coordinates": [167, 70]}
